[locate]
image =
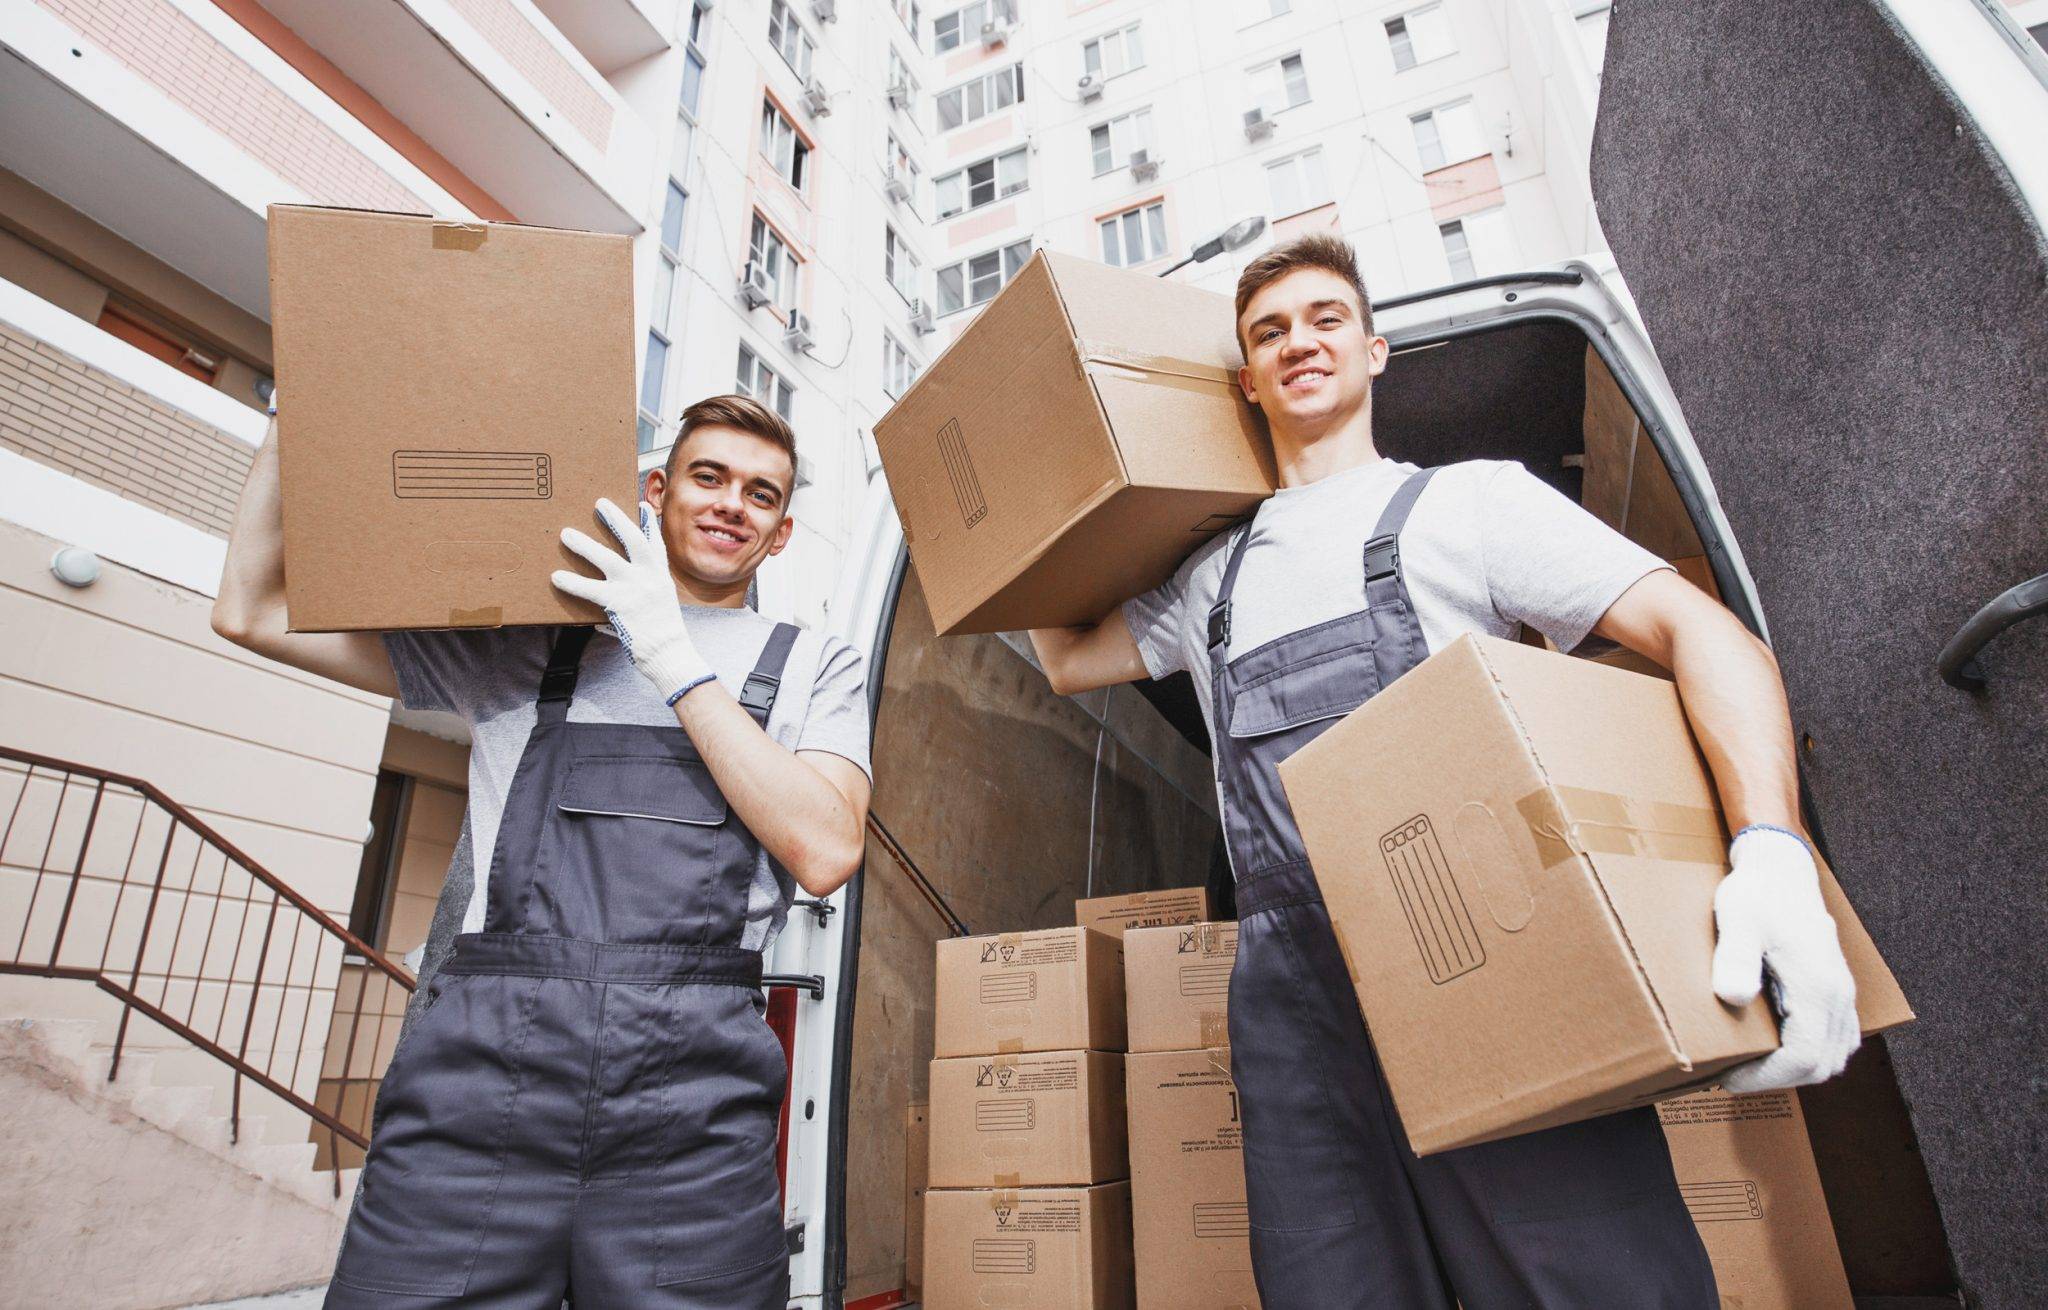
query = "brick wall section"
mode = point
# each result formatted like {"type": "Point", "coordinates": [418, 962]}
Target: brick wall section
{"type": "Point", "coordinates": [514, 36]}
{"type": "Point", "coordinates": [178, 56]}
{"type": "Point", "coordinates": [59, 411]}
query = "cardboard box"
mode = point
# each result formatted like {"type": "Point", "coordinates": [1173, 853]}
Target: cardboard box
{"type": "Point", "coordinates": [1050, 1248]}
{"type": "Point", "coordinates": [1055, 989]}
{"type": "Point", "coordinates": [1072, 447]}
{"type": "Point", "coordinates": [1192, 1240]}
{"type": "Point", "coordinates": [1746, 1170]}
{"type": "Point", "coordinates": [1519, 852]}
{"type": "Point", "coordinates": [1117, 915]}
{"type": "Point", "coordinates": [1047, 1119]}
{"type": "Point", "coordinates": [1177, 986]}
{"type": "Point", "coordinates": [454, 395]}
{"type": "Point", "coordinates": [917, 1145]}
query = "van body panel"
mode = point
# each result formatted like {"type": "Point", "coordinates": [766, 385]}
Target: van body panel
{"type": "Point", "coordinates": [1829, 215]}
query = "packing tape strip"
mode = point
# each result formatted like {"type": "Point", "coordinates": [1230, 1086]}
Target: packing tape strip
{"type": "Point", "coordinates": [1009, 1046]}
{"type": "Point", "coordinates": [1569, 821]}
{"type": "Point", "coordinates": [1005, 1197]}
{"type": "Point", "coordinates": [489, 616]}
{"type": "Point", "coordinates": [1219, 1058]}
{"type": "Point", "coordinates": [1215, 1028]}
{"type": "Point", "coordinates": [460, 236]}
{"type": "Point", "coordinates": [1101, 352]}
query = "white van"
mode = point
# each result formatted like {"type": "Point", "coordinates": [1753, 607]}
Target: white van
{"type": "Point", "coordinates": [1830, 215]}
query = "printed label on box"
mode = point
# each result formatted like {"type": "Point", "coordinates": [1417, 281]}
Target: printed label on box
{"type": "Point", "coordinates": [1432, 901]}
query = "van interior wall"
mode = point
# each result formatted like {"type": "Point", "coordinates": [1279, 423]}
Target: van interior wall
{"type": "Point", "coordinates": [1515, 393]}
{"type": "Point", "coordinates": [988, 780]}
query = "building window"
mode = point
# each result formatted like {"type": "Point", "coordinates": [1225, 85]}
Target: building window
{"type": "Point", "coordinates": [1136, 236]}
{"type": "Point", "coordinates": [1297, 183]}
{"type": "Point", "coordinates": [975, 281]}
{"type": "Point", "coordinates": [1113, 53]}
{"type": "Point", "coordinates": [660, 313]}
{"type": "Point", "coordinates": [1113, 142]}
{"type": "Point", "coordinates": [787, 35]}
{"type": "Point", "coordinates": [776, 266]}
{"type": "Point", "coordinates": [981, 97]}
{"type": "Point", "coordinates": [783, 145]}
{"type": "Point", "coordinates": [1419, 36]}
{"type": "Point", "coordinates": [901, 84]}
{"type": "Point", "coordinates": [898, 368]}
{"type": "Point", "coordinates": [1448, 134]}
{"type": "Point", "coordinates": [1280, 84]}
{"type": "Point", "coordinates": [899, 166]}
{"type": "Point", "coordinates": [764, 384]}
{"type": "Point", "coordinates": [899, 263]}
{"type": "Point", "coordinates": [1478, 244]}
{"type": "Point", "coordinates": [951, 31]}
{"type": "Point", "coordinates": [982, 183]}
{"type": "Point", "coordinates": [907, 12]}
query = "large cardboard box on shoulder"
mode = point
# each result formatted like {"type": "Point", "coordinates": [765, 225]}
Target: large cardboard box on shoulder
{"type": "Point", "coordinates": [1039, 1248]}
{"type": "Point", "coordinates": [1118, 915]}
{"type": "Point", "coordinates": [1177, 986]}
{"type": "Point", "coordinates": [1055, 989]}
{"type": "Point", "coordinates": [1072, 447]}
{"type": "Point", "coordinates": [1519, 852]}
{"type": "Point", "coordinates": [1042, 1119]}
{"type": "Point", "coordinates": [452, 395]}
{"type": "Point", "coordinates": [1746, 1170]}
{"type": "Point", "coordinates": [1188, 1221]}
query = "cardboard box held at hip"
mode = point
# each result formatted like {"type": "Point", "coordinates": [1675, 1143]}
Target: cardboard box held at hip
{"type": "Point", "coordinates": [452, 396]}
{"type": "Point", "coordinates": [1080, 439]}
{"type": "Point", "coordinates": [1519, 852]}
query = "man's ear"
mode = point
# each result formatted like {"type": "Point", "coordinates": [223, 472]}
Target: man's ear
{"type": "Point", "coordinates": [1244, 383]}
{"type": "Point", "coordinates": [657, 487]}
{"type": "Point", "coordinates": [1376, 356]}
{"type": "Point", "coordinates": [781, 537]}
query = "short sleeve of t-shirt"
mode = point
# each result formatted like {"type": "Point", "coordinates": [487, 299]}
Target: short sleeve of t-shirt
{"type": "Point", "coordinates": [1548, 562]}
{"type": "Point", "coordinates": [1157, 617]}
{"type": "Point", "coordinates": [458, 671]}
{"type": "Point", "coordinates": [836, 720]}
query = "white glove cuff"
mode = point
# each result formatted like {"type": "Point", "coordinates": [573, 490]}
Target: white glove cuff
{"type": "Point", "coordinates": [674, 667]}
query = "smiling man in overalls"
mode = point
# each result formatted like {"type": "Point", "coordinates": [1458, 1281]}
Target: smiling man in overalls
{"type": "Point", "coordinates": [1349, 576]}
{"type": "Point", "coordinates": [586, 1101]}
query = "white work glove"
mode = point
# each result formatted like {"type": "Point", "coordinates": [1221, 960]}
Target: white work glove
{"type": "Point", "coordinates": [639, 597]}
{"type": "Point", "coordinates": [1769, 915]}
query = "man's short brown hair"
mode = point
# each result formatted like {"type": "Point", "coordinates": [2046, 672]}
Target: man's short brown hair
{"type": "Point", "coordinates": [741, 412]}
{"type": "Point", "coordinates": [1316, 250]}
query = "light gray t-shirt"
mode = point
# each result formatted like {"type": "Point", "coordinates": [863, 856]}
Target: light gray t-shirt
{"type": "Point", "coordinates": [491, 677]}
{"type": "Point", "coordinates": [1486, 547]}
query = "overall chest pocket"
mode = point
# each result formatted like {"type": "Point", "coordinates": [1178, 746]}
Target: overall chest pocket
{"type": "Point", "coordinates": [647, 837]}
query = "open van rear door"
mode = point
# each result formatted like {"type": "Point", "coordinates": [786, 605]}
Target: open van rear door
{"type": "Point", "coordinates": [1830, 216]}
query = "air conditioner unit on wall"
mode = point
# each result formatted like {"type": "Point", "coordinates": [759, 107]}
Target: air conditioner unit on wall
{"type": "Point", "coordinates": [1090, 87]}
{"type": "Point", "coordinates": [817, 101]}
{"type": "Point", "coordinates": [825, 11]}
{"type": "Point", "coordinates": [995, 31]}
{"type": "Point", "coordinates": [1258, 124]}
{"type": "Point", "coordinates": [900, 94]}
{"type": "Point", "coordinates": [754, 288]}
{"type": "Point", "coordinates": [896, 184]}
{"type": "Point", "coordinates": [921, 319]}
{"type": "Point", "coordinates": [1144, 165]}
{"type": "Point", "coordinates": [796, 334]}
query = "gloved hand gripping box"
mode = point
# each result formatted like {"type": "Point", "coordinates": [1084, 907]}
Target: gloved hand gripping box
{"type": "Point", "coordinates": [1519, 852]}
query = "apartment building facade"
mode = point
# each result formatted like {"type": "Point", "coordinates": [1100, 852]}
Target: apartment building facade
{"type": "Point", "coordinates": [820, 195]}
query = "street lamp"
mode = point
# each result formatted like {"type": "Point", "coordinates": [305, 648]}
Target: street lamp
{"type": "Point", "coordinates": [1235, 237]}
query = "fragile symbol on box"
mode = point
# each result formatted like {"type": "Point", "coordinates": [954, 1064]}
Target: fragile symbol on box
{"type": "Point", "coordinates": [989, 1075]}
{"type": "Point", "coordinates": [1712, 1203]}
{"type": "Point", "coordinates": [470, 475]}
{"type": "Point", "coordinates": [1432, 901]}
{"type": "Point", "coordinates": [1005, 1255]}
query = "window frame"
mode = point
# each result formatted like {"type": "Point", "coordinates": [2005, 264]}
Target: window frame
{"type": "Point", "coordinates": [968, 184]}
{"type": "Point", "coordinates": [1436, 129]}
{"type": "Point", "coordinates": [1108, 127]}
{"type": "Point", "coordinates": [965, 32]}
{"type": "Point", "coordinates": [1124, 35]}
{"type": "Point", "coordinates": [1297, 161]}
{"type": "Point", "coordinates": [1014, 73]}
{"type": "Point", "coordinates": [1151, 228]}
{"type": "Point", "coordinates": [899, 367]}
{"type": "Point", "coordinates": [1257, 74]}
{"type": "Point", "coordinates": [1005, 271]}
{"type": "Point", "coordinates": [788, 271]}
{"type": "Point", "coordinates": [782, 393]}
{"type": "Point", "coordinates": [774, 119]}
{"type": "Point", "coordinates": [782, 15]}
{"type": "Point", "coordinates": [896, 252]}
{"type": "Point", "coordinates": [1416, 58]}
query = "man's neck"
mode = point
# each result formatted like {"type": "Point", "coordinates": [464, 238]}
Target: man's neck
{"type": "Point", "coordinates": [694, 591]}
{"type": "Point", "coordinates": [1305, 455]}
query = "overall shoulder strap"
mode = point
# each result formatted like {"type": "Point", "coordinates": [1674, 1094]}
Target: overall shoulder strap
{"type": "Point", "coordinates": [758, 693]}
{"type": "Point", "coordinates": [558, 681]}
{"type": "Point", "coordinates": [1398, 644]}
{"type": "Point", "coordinates": [1219, 613]}
{"type": "Point", "coordinates": [1382, 550]}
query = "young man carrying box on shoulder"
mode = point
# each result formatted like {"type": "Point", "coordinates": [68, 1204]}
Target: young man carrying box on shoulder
{"type": "Point", "coordinates": [1349, 576]}
{"type": "Point", "coordinates": [587, 1105]}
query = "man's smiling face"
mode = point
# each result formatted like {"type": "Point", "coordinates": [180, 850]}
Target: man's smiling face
{"type": "Point", "coordinates": [724, 502]}
{"type": "Point", "coordinates": [1309, 358]}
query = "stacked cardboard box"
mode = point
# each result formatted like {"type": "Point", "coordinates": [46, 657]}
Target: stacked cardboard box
{"type": "Point", "coordinates": [1117, 915]}
{"type": "Point", "coordinates": [1027, 1202]}
{"type": "Point", "coordinates": [1188, 1222]}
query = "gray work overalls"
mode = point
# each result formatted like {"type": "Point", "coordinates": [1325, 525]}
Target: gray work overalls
{"type": "Point", "coordinates": [1343, 1214]}
{"type": "Point", "coordinates": [588, 1105]}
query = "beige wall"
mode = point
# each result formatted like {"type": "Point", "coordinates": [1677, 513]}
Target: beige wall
{"type": "Point", "coordinates": [126, 675]}
{"type": "Point", "coordinates": [433, 820]}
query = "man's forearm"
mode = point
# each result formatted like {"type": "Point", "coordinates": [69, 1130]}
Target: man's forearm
{"type": "Point", "coordinates": [1729, 683]}
{"type": "Point", "coordinates": [805, 821]}
{"type": "Point", "coordinates": [252, 578]}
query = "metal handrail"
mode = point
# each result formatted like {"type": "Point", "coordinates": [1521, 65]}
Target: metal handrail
{"type": "Point", "coordinates": [149, 964]}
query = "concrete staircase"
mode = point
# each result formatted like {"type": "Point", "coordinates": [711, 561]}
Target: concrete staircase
{"type": "Point", "coordinates": [139, 1192]}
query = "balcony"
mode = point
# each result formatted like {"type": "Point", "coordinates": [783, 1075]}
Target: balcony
{"type": "Point", "coordinates": [612, 33]}
{"type": "Point", "coordinates": [500, 92]}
